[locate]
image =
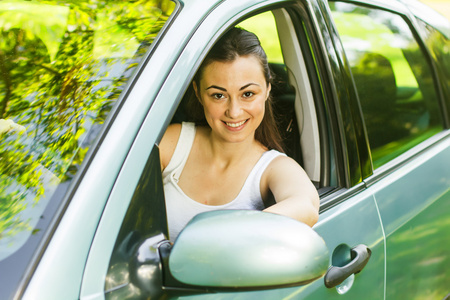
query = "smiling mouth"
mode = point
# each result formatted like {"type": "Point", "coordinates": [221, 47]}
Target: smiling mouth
{"type": "Point", "coordinates": [235, 125]}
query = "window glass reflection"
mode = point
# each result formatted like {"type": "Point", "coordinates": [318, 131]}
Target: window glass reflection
{"type": "Point", "coordinates": [59, 78]}
{"type": "Point", "coordinates": [393, 79]}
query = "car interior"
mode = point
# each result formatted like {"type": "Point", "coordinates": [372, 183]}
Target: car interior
{"type": "Point", "coordinates": [376, 74]}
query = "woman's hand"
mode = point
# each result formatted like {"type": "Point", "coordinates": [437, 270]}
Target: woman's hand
{"type": "Point", "coordinates": [294, 193]}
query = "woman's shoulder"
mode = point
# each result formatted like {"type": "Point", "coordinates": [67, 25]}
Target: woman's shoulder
{"type": "Point", "coordinates": [176, 133]}
{"type": "Point", "coordinates": [280, 166]}
{"type": "Point", "coordinates": [281, 161]}
{"type": "Point", "coordinates": [168, 144]}
{"type": "Point", "coordinates": [171, 135]}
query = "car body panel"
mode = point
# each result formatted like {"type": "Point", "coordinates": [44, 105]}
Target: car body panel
{"type": "Point", "coordinates": [358, 223]}
{"type": "Point", "coordinates": [414, 203]}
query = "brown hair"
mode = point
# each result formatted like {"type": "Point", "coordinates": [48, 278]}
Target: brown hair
{"type": "Point", "coordinates": [235, 43]}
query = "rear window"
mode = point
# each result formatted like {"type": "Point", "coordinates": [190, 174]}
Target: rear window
{"type": "Point", "coordinates": [393, 79]}
{"type": "Point", "coordinates": [63, 65]}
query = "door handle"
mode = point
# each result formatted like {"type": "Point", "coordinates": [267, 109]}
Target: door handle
{"type": "Point", "coordinates": [360, 255]}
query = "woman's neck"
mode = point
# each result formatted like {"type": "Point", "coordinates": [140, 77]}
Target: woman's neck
{"type": "Point", "coordinates": [225, 154]}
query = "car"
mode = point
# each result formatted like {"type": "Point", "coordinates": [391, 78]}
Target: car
{"type": "Point", "coordinates": [88, 88]}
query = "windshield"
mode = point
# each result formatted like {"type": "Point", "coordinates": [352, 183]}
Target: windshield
{"type": "Point", "coordinates": [63, 66]}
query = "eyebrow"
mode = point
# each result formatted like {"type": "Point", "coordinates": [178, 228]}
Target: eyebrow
{"type": "Point", "coordinates": [216, 87]}
{"type": "Point", "coordinates": [224, 89]}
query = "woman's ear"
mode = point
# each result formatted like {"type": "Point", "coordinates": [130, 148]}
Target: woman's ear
{"type": "Point", "coordinates": [269, 88]}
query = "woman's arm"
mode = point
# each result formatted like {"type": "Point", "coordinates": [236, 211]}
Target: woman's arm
{"type": "Point", "coordinates": [294, 193]}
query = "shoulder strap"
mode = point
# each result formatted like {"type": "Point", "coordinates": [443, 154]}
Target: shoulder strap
{"type": "Point", "coordinates": [264, 162]}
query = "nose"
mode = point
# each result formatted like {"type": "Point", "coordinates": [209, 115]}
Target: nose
{"type": "Point", "coordinates": [234, 109]}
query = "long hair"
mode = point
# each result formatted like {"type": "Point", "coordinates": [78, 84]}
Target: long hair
{"type": "Point", "coordinates": [235, 43]}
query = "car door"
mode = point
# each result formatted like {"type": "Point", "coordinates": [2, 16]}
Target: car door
{"type": "Point", "coordinates": [405, 115]}
{"type": "Point", "coordinates": [133, 228]}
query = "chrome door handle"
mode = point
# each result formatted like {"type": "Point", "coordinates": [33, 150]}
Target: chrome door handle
{"type": "Point", "coordinates": [336, 275]}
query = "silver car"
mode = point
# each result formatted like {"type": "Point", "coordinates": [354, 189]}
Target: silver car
{"type": "Point", "coordinates": [87, 89]}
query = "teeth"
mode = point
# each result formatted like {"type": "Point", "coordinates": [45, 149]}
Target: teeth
{"type": "Point", "coordinates": [235, 124]}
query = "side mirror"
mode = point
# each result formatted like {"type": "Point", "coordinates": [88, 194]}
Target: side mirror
{"type": "Point", "coordinates": [244, 248]}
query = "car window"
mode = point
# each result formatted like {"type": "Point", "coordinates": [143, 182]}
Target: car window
{"type": "Point", "coordinates": [60, 76]}
{"type": "Point", "coordinates": [393, 79]}
{"type": "Point", "coordinates": [264, 26]}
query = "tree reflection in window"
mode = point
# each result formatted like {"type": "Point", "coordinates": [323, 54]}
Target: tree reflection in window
{"type": "Point", "coordinates": [59, 78]}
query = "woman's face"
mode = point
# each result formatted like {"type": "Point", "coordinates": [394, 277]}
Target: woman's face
{"type": "Point", "coordinates": [233, 95]}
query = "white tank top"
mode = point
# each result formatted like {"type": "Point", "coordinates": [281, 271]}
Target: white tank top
{"type": "Point", "coordinates": [181, 209]}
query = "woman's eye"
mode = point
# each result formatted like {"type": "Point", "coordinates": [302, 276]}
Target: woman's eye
{"type": "Point", "coordinates": [248, 94]}
{"type": "Point", "coordinates": [218, 96]}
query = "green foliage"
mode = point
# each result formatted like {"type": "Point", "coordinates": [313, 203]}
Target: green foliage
{"type": "Point", "coordinates": [263, 25]}
{"type": "Point", "coordinates": [59, 77]}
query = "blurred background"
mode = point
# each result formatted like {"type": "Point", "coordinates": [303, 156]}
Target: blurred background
{"type": "Point", "coordinates": [442, 6]}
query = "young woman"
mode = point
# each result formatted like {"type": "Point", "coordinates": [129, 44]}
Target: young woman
{"type": "Point", "coordinates": [234, 160]}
